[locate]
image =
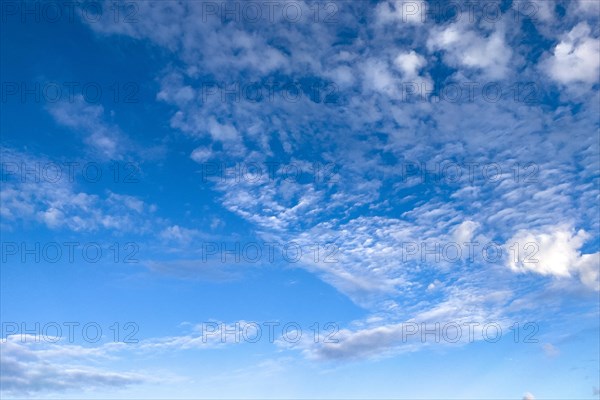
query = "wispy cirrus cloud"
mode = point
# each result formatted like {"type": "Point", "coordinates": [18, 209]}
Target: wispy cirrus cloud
{"type": "Point", "coordinates": [372, 130]}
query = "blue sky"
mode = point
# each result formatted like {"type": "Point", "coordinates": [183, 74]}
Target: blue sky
{"type": "Point", "coordinates": [419, 180]}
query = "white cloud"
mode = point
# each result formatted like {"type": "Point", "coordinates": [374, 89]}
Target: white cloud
{"type": "Point", "coordinates": [471, 310]}
{"type": "Point", "coordinates": [29, 367]}
{"type": "Point", "coordinates": [178, 233]}
{"type": "Point", "coordinates": [466, 47]}
{"type": "Point", "coordinates": [201, 154]}
{"type": "Point", "coordinates": [550, 350]}
{"type": "Point", "coordinates": [52, 217]}
{"type": "Point", "coordinates": [222, 132]}
{"type": "Point", "coordinates": [60, 204]}
{"type": "Point", "coordinates": [553, 251]}
{"type": "Point", "coordinates": [588, 7]}
{"type": "Point", "coordinates": [410, 63]}
{"type": "Point", "coordinates": [576, 59]}
{"type": "Point", "coordinates": [105, 140]}
{"type": "Point", "coordinates": [342, 76]}
{"type": "Point", "coordinates": [175, 26]}
{"type": "Point", "coordinates": [464, 232]}
{"type": "Point", "coordinates": [543, 10]}
{"type": "Point", "coordinates": [401, 12]}
{"type": "Point", "coordinates": [379, 77]}
{"type": "Point", "coordinates": [588, 268]}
